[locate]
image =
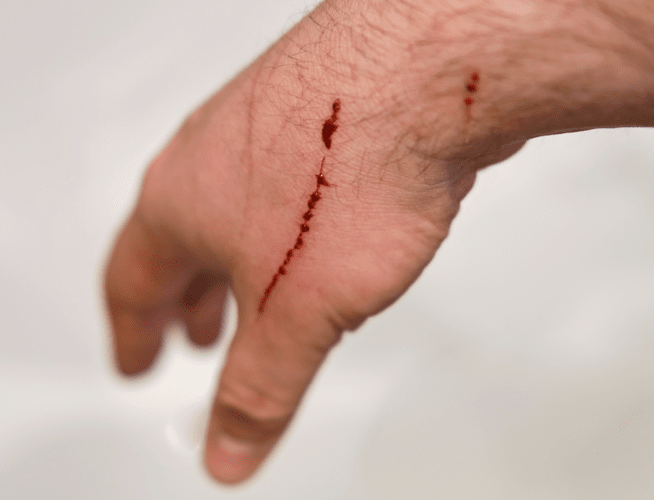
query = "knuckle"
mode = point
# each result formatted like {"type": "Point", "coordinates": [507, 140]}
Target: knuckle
{"type": "Point", "coordinates": [315, 343]}
{"type": "Point", "coordinates": [243, 425]}
{"type": "Point", "coordinates": [255, 409]}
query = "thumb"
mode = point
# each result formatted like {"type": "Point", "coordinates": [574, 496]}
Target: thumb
{"type": "Point", "coordinates": [270, 364]}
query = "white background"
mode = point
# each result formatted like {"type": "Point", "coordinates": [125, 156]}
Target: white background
{"type": "Point", "coordinates": [518, 366]}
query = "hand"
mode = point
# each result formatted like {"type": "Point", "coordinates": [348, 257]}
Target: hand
{"type": "Point", "coordinates": [316, 186]}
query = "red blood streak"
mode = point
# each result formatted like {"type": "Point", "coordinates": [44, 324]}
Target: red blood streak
{"type": "Point", "coordinates": [331, 124]}
{"type": "Point", "coordinates": [329, 128]}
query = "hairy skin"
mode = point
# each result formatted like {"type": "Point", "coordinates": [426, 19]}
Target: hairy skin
{"type": "Point", "coordinates": [220, 204]}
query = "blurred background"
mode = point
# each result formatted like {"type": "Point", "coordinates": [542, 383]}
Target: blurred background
{"type": "Point", "coordinates": [518, 366]}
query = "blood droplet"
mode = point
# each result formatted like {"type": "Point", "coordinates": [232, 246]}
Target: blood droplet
{"type": "Point", "coordinates": [471, 87]}
{"type": "Point", "coordinates": [322, 181]}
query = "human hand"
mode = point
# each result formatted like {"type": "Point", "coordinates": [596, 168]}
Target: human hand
{"type": "Point", "coordinates": [318, 215]}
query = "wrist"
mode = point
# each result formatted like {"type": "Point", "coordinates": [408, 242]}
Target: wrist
{"type": "Point", "coordinates": [424, 81]}
{"type": "Point", "coordinates": [448, 80]}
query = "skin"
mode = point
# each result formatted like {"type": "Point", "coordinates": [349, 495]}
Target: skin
{"type": "Point", "coordinates": [222, 203]}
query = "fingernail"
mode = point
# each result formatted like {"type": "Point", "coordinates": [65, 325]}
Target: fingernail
{"type": "Point", "coordinates": [235, 447]}
{"type": "Point", "coordinates": [231, 460]}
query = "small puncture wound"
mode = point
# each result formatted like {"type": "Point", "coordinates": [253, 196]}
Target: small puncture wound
{"type": "Point", "coordinates": [328, 129]}
{"type": "Point", "coordinates": [471, 87]}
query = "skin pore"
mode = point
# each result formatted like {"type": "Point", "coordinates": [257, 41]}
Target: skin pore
{"type": "Point", "coordinates": [428, 93]}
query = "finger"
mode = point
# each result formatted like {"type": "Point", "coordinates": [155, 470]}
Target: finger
{"type": "Point", "coordinates": [145, 275]}
{"type": "Point", "coordinates": [202, 305]}
{"type": "Point", "coordinates": [271, 361]}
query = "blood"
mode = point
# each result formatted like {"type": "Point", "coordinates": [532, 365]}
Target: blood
{"type": "Point", "coordinates": [328, 129]}
{"type": "Point", "coordinates": [331, 124]}
{"type": "Point", "coordinates": [471, 87]}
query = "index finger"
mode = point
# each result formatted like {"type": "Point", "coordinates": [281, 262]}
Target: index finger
{"type": "Point", "coordinates": [145, 274]}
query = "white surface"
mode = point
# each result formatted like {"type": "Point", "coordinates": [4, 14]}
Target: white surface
{"type": "Point", "coordinates": [518, 366]}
